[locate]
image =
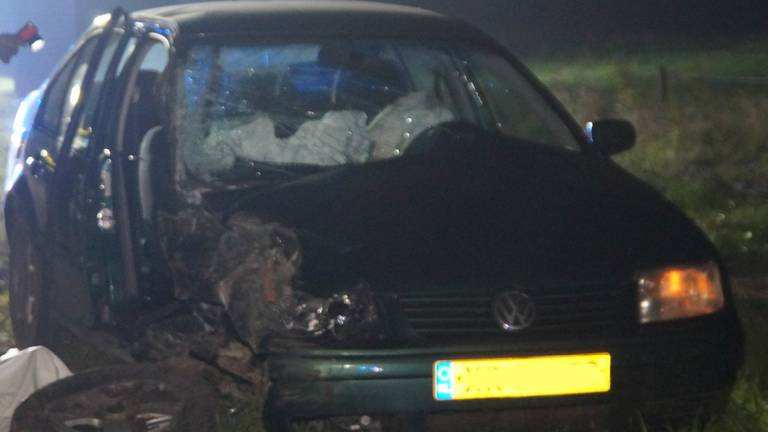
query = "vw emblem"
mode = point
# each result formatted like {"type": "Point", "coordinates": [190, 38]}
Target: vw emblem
{"type": "Point", "coordinates": [514, 311]}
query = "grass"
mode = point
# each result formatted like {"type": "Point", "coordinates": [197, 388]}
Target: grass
{"type": "Point", "coordinates": [736, 63]}
{"type": "Point", "coordinates": [703, 143]}
{"type": "Point", "coordinates": [747, 410]}
{"type": "Point", "coordinates": [245, 416]}
{"type": "Point", "coordinates": [701, 135]}
{"type": "Point", "coordinates": [6, 332]}
{"type": "Point", "coordinates": [7, 110]}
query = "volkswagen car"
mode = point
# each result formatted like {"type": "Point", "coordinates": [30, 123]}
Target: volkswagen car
{"type": "Point", "coordinates": [402, 222]}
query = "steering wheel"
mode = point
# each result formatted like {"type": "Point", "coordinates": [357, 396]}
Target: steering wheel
{"type": "Point", "coordinates": [451, 133]}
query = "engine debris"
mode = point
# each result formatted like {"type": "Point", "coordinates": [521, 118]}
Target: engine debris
{"type": "Point", "coordinates": [252, 268]}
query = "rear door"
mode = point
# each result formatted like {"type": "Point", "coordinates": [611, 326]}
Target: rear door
{"type": "Point", "coordinates": [80, 257]}
{"type": "Point", "coordinates": [141, 167]}
{"type": "Point", "coordinates": [62, 126]}
{"type": "Point", "coordinates": [53, 118]}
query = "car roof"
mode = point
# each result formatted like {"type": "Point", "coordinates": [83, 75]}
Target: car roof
{"type": "Point", "coordinates": [302, 17]}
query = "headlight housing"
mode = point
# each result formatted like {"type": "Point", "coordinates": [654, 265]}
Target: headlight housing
{"type": "Point", "coordinates": [350, 314]}
{"type": "Point", "coordinates": [676, 292]}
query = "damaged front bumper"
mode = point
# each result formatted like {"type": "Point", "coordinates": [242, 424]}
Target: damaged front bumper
{"type": "Point", "coordinates": [660, 372]}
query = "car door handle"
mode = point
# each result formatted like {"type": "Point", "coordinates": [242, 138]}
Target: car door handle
{"type": "Point", "coordinates": [41, 164]}
{"type": "Point", "coordinates": [105, 218]}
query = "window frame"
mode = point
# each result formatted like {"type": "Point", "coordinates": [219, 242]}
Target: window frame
{"type": "Point", "coordinates": [185, 43]}
{"type": "Point", "coordinates": [74, 60]}
{"type": "Point", "coordinates": [93, 104]}
{"type": "Point", "coordinates": [210, 56]}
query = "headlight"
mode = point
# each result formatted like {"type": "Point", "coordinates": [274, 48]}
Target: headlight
{"type": "Point", "coordinates": [679, 292]}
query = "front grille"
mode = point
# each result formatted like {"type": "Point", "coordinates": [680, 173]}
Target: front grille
{"type": "Point", "coordinates": [448, 314]}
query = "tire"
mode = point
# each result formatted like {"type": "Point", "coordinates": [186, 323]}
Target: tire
{"type": "Point", "coordinates": [25, 281]}
{"type": "Point", "coordinates": [127, 399]}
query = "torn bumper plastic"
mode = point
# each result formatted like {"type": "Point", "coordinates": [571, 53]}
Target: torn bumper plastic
{"type": "Point", "coordinates": [253, 267]}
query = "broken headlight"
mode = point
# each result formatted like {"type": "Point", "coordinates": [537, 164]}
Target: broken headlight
{"type": "Point", "coordinates": [670, 293]}
{"type": "Point", "coordinates": [344, 315]}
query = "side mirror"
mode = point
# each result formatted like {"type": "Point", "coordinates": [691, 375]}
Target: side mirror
{"type": "Point", "coordinates": [610, 136]}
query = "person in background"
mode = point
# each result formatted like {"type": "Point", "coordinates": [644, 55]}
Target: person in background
{"type": "Point", "coordinates": [9, 46]}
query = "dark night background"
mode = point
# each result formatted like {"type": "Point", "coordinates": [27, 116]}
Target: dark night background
{"type": "Point", "coordinates": [529, 27]}
{"type": "Point", "coordinates": [534, 25]}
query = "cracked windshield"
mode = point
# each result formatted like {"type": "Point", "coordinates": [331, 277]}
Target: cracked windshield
{"type": "Point", "coordinates": [335, 103]}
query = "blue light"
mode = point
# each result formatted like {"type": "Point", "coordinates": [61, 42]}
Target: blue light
{"type": "Point", "coordinates": [370, 369]}
{"type": "Point", "coordinates": [443, 380]}
{"type": "Point", "coordinates": [265, 58]}
{"type": "Point", "coordinates": [588, 132]}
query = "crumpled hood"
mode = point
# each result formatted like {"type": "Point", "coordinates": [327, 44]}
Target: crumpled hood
{"type": "Point", "coordinates": [494, 211]}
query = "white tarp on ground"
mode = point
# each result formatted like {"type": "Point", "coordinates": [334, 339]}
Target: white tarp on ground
{"type": "Point", "coordinates": [23, 373]}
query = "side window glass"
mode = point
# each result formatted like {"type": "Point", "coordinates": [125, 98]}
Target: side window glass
{"type": "Point", "coordinates": [144, 111]}
{"type": "Point", "coordinates": [54, 99]}
{"type": "Point", "coordinates": [64, 92]}
{"type": "Point", "coordinates": [85, 126]}
{"type": "Point", "coordinates": [73, 95]}
{"type": "Point", "coordinates": [517, 108]}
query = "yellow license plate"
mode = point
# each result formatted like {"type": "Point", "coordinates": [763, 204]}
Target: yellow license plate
{"type": "Point", "coordinates": [522, 377]}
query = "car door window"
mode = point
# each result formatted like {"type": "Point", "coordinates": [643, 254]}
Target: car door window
{"type": "Point", "coordinates": [143, 117]}
{"type": "Point", "coordinates": [64, 93]}
{"type": "Point", "coordinates": [54, 98]}
{"type": "Point", "coordinates": [85, 126]}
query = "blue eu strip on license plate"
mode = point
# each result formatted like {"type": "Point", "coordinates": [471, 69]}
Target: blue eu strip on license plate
{"type": "Point", "coordinates": [443, 381]}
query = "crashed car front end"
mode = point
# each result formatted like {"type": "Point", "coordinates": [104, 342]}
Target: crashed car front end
{"type": "Point", "coordinates": [328, 350]}
{"type": "Point", "coordinates": [659, 375]}
{"type": "Point", "coordinates": [375, 239]}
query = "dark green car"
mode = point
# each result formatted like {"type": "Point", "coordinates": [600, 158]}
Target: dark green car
{"type": "Point", "coordinates": [399, 219]}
